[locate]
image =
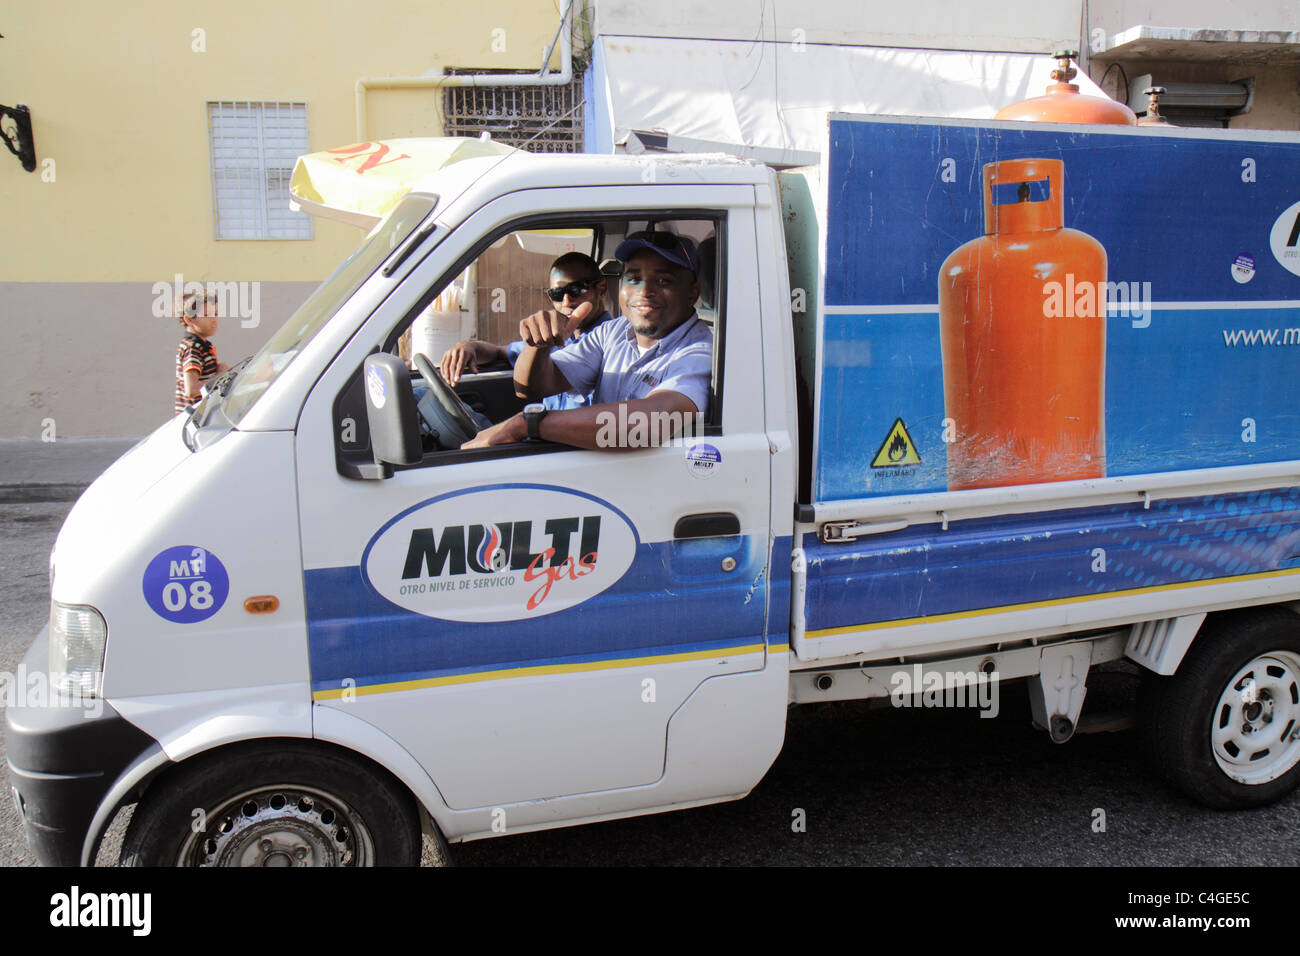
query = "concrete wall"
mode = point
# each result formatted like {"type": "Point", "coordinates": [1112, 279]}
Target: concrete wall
{"type": "Point", "coordinates": [1231, 41]}
{"type": "Point", "coordinates": [90, 358]}
{"type": "Point", "coordinates": [1276, 104]}
{"type": "Point", "coordinates": [1256, 15]}
{"type": "Point", "coordinates": [1014, 26]}
{"type": "Point", "coordinates": [122, 195]}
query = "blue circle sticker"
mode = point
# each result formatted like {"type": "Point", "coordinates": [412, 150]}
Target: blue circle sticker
{"type": "Point", "coordinates": [186, 584]}
{"type": "Point", "coordinates": [703, 460]}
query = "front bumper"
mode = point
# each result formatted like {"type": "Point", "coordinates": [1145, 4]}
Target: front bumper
{"type": "Point", "coordinates": [64, 756]}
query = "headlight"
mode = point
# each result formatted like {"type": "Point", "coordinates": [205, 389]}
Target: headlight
{"type": "Point", "coordinates": [77, 637]}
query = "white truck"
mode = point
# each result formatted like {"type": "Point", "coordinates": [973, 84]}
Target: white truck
{"type": "Point", "coordinates": [947, 445]}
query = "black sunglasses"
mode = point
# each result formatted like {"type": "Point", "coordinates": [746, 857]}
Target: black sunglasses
{"type": "Point", "coordinates": [573, 289]}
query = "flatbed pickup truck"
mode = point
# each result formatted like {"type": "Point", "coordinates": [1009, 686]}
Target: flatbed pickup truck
{"type": "Point", "coordinates": [989, 402]}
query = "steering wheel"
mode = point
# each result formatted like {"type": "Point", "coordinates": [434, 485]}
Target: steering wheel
{"type": "Point", "coordinates": [444, 410]}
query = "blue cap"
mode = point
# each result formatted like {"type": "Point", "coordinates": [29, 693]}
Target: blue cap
{"type": "Point", "coordinates": [678, 250]}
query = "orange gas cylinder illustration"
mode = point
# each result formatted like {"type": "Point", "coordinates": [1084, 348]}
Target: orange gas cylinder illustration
{"type": "Point", "coordinates": [1022, 313]}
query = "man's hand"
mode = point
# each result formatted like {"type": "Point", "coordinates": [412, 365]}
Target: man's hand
{"type": "Point", "coordinates": [549, 327]}
{"type": "Point", "coordinates": [508, 432]}
{"type": "Point", "coordinates": [456, 360]}
{"type": "Point", "coordinates": [468, 355]}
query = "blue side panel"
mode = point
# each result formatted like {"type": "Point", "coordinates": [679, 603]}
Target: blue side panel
{"type": "Point", "coordinates": [675, 599]}
{"type": "Point", "coordinates": [1203, 391]}
{"type": "Point", "coordinates": [981, 563]}
{"type": "Point", "coordinates": [778, 612]}
{"type": "Point", "coordinates": [893, 215]}
{"type": "Point", "coordinates": [895, 360]}
{"type": "Point", "coordinates": [1187, 411]}
{"type": "Point", "coordinates": [1209, 377]}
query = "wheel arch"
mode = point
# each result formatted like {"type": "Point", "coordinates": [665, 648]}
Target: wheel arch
{"type": "Point", "coordinates": [1160, 646]}
{"type": "Point", "coordinates": [343, 736]}
{"type": "Point", "coordinates": [1219, 623]}
{"type": "Point", "coordinates": [364, 739]}
{"type": "Point", "coordinates": [1178, 714]}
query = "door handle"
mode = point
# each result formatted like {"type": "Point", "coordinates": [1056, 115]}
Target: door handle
{"type": "Point", "coordinates": [711, 524]}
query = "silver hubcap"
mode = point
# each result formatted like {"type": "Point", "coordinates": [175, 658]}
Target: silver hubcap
{"type": "Point", "coordinates": [280, 826]}
{"type": "Point", "coordinates": [1256, 726]}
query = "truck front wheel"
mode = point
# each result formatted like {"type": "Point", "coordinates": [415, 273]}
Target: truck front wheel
{"type": "Point", "coordinates": [1225, 729]}
{"type": "Point", "coordinates": [274, 804]}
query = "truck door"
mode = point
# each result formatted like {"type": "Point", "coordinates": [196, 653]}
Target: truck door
{"type": "Point", "coordinates": [434, 612]}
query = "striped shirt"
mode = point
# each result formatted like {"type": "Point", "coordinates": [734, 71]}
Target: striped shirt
{"type": "Point", "coordinates": [194, 354]}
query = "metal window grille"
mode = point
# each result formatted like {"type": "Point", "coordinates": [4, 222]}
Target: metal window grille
{"type": "Point", "coordinates": [254, 147]}
{"type": "Point", "coordinates": [541, 119]}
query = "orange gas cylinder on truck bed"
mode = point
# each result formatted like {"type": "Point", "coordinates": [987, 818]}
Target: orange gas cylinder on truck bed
{"type": "Point", "coordinates": [1022, 316]}
{"type": "Point", "coordinates": [1063, 102]}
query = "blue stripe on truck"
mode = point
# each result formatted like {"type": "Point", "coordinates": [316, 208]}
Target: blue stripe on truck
{"type": "Point", "coordinates": [675, 600]}
{"type": "Point", "coordinates": [981, 563]}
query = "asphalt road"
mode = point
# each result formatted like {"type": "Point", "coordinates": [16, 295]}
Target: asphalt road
{"type": "Point", "coordinates": [876, 787]}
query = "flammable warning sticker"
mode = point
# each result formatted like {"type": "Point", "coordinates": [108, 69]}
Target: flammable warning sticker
{"type": "Point", "coordinates": [897, 449]}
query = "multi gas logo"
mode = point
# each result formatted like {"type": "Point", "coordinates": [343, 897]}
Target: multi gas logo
{"type": "Point", "coordinates": [537, 550]}
{"type": "Point", "coordinates": [493, 548]}
{"type": "Point", "coordinates": [1284, 239]}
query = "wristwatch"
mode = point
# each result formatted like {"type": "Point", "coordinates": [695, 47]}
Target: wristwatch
{"type": "Point", "coordinates": [533, 415]}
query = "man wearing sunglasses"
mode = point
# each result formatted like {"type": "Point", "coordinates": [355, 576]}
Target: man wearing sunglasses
{"type": "Point", "coordinates": [575, 281]}
{"type": "Point", "coordinates": [655, 360]}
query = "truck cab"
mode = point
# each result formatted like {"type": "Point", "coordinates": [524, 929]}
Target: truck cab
{"type": "Point", "coordinates": [255, 574]}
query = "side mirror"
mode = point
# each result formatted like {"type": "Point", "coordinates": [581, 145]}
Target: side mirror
{"type": "Point", "coordinates": [390, 412]}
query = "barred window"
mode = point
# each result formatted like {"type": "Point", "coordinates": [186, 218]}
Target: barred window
{"type": "Point", "coordinates": [541, 119]}
{"type": "Point", "coordinates": [253, 150]}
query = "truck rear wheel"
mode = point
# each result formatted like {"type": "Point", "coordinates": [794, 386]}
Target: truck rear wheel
{"type": "Point", "coordinates": [1225, 729]}
{"type": "Point", "coordinates": [264, 805]}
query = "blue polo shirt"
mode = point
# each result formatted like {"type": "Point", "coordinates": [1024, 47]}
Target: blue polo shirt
{"type": "Point", "coordinates": [576, 398]}
{"type": "Point", "coordinates": [608, 362]}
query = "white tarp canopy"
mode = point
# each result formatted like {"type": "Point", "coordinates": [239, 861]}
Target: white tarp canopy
{"type": "Point", "coordinates": [777, 95]}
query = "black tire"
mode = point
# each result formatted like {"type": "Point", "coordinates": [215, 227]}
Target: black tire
{"type": "Point", "coordinates": [274, 804]}
{"type": "Point", "coordinates": [1240, 681]}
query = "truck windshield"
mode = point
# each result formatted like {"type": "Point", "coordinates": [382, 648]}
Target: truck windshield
{"type": "Point", "coordinates": [235, 396]}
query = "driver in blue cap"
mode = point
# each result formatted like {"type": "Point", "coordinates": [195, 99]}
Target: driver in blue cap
{"type": "Point", "coordinates": [656, 358]}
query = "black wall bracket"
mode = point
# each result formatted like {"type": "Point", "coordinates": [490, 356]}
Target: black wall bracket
{"type": "Point", "coordinates": [16, 129]}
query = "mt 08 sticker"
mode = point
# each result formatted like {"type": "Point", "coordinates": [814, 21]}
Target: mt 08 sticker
{"type": "Point", "coordinates": [186, 584]}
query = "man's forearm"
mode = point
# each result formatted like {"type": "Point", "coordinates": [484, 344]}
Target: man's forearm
{"type": "Point", "coordinates": [536, 375]}
{"type": "Point", "coordinates": [623, 426]}
{"type": "Point", "coordinates": [615, 426]}
{"type": "Point", "coordinates": [486, 353]}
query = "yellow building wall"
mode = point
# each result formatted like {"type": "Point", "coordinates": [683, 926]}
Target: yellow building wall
{"type": "Point", "coordinates": [118, 94]}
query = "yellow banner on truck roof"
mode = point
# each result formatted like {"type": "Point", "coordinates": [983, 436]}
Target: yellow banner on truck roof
{"type": "Point", "coordinates": [360, 183]}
